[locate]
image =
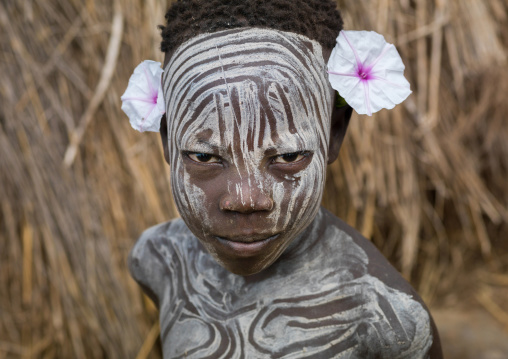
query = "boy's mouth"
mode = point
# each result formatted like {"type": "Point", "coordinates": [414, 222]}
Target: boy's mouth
{"type": "Point", "coordinates": [248, 237]}
{"type": "Point", "coordinates": [246, 246]}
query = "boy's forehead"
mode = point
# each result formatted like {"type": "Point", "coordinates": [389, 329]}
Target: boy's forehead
{"type": "Point", "coordinates": [250, 75]}
{"type": "Point", "coordinates": [246, 42]}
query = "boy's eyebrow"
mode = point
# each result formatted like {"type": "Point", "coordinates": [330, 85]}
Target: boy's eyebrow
{"type": "Point", "coordinates": [202, 145]}
{"type": "Point", "coordinates": [283, 149]}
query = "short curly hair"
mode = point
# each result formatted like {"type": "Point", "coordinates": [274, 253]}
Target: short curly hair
{"type": "Point", "coordinates": [316, 19]}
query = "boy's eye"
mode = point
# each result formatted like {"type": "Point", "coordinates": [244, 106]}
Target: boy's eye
{"type": "Point", "coordinates": [290, 157]}
{"type": "Point", "coordinates": [204, 158]}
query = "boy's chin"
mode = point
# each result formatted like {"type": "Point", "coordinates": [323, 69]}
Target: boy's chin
{"type": "Point", "coordinates": [244, 267]}
{"type": "Point", "coordinates": [246, 259]}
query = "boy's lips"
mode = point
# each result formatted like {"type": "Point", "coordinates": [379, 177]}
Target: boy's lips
{"type": "Point", "coordinates": [248, 237]}
{"type": "Point", "coordinates": [246, 246]}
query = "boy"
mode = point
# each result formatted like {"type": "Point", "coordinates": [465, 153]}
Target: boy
{"type": "Point", "coordinates": [256, 268]}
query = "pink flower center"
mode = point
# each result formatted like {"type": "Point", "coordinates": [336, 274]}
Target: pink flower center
{"type": "Point", "coordinates": [363, 72]}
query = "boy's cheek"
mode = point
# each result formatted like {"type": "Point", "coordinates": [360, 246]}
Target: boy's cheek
{"type": "Point", "coordinates": [189, 198]}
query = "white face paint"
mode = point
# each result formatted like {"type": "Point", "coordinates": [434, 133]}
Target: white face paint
{"type": "Point", "coordinates": [236, 101]}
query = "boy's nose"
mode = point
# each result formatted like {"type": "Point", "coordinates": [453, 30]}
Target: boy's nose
{"type": "Point", "coordinates": [246, 199]}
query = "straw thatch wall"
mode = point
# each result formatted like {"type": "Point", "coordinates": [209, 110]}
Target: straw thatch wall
{"type": "Point", "coordinates": [427, 181]}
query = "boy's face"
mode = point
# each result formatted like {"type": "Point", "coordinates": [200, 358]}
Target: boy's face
{"type": "Point", "coordinates": [248, 130]}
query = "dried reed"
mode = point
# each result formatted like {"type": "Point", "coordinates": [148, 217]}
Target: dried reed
{"type": "Point", "coordinates": [426, 182]}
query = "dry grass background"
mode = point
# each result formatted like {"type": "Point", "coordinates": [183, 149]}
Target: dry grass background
{"type": "Point", "coordinates": [426, 182]}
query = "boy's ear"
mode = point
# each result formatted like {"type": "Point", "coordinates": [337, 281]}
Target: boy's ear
{"type": "Point", "coordinates": [164, 137]}
{"type": "Point", "coordinates": [338, 127]}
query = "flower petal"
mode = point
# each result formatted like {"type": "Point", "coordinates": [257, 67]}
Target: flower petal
{"type": "Point", "coordinates": [384, 85]}
{"type": "Point", "coordinates": [142, 101]}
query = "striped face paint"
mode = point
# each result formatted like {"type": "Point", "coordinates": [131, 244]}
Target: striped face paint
{"type": "Point", "coordinates": [248, 130]}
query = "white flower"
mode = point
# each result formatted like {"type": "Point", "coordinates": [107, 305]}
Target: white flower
{"type": "Point", "coordinates": [143, 101]}
{"type": "Point", "coordinates": [367, 72]}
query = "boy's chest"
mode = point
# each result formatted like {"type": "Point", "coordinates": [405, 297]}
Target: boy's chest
{"type": "Point", "coordinates": [283, 322]}
{"type": "Point", "coordinates": [289, 327]}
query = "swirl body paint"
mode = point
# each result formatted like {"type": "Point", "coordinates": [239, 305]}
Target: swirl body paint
{"type": "Point", "coordinates": [320, 302]}
{"type": "Point", "coordinates": [256, 269]}
{"type": "Point", "coordinates": [240, 104]}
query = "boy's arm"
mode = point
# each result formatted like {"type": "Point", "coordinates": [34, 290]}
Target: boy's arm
{"type": "Point", "coordinates": [147, 261]}
{"type": "Point", "coordinates": [384, 271]}
{"type": "Point", "coordinates": [380, 268]}
{"type": "Point", "coordinates": [435, 352]}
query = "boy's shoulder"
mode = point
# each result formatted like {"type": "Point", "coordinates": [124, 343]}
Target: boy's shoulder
{"type": "Point", "coordinates": [161, 234]}
{"type": "Point", "coordinates": [362, 252]}
{"type": "Point", "coordinates": [377, 282]}
{"type": "Point", "coordinates": [156, 253]}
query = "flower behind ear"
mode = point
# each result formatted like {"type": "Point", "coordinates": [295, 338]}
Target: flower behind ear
{"type": "Point", "coordinates": [142, 101]}
{"type": "Point", "coordinates": [367, 72]}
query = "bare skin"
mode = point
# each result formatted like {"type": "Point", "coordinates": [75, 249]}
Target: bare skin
{"type": "Point", "coordinates": [256, 268]}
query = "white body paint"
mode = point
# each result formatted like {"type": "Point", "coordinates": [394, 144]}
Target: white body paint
{"type": "Point", "coordinates": [208, 312]}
